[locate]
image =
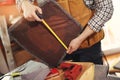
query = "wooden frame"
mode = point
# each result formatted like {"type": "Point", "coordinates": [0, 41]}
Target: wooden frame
{"type": "Point", "coordinates": [6, 44]}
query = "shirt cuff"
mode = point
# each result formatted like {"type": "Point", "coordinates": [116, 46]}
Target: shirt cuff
{"type": "Point", "coordinates": [95, 26]}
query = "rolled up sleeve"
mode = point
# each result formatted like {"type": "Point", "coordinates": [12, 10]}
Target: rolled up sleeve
{"type": "Point", "coordinates": [103, 12]}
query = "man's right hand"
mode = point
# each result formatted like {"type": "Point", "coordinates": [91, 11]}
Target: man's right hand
{"type": "Point", "coordinates": [29, 11]}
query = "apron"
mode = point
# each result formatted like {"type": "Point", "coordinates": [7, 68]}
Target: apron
{"type": "Point", "coordinates": [82, 14]}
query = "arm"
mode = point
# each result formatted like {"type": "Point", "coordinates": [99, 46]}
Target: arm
{"type": "Point", "coordinates": [75, 43]}
{"type": "Point", "coordinates": [103, 12]}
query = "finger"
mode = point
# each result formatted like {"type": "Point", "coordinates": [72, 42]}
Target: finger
{"type": "Point", "coordinates": [69, 50]}
{"type": "Point", "coordinates": [30, 18]}
{"type": "Point", "coordinates": [39, 10]}
{"type": "Point", "coordinates": [36, 17]}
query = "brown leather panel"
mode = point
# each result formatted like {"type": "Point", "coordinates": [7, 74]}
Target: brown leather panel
{"type": "Point", "coordinates": [37, 39]}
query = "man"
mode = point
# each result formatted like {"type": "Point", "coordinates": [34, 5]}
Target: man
{"type": "Point", "coordinates": [87, 46]}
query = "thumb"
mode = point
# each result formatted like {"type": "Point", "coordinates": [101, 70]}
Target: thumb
{"type": "Point", "coordinates": [69, 50]}
{"type": "Point", "coordinates": [39, 10]}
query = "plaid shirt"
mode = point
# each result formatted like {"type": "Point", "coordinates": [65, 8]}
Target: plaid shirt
{"type": "Point", "coordinates": [103, 12]}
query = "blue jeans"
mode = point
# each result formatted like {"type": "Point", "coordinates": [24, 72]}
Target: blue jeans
{"type": "Point", "coordinates": [91, 54]}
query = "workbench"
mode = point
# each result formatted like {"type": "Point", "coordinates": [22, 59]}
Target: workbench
{"type": "Point", "coordinates": [100, 73]}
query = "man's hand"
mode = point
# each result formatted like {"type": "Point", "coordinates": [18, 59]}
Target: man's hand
{"type": "Point", "coordinates": [29, 11]}
{"type": "Point", "coordinates": [75, 43]}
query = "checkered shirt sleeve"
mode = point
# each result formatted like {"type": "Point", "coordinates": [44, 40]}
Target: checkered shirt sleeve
{"type": "Point", "coordinates": [103, 12]}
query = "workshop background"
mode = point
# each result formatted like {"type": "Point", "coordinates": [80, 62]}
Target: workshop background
{"type": "Point", "coordinates": [110, 44]}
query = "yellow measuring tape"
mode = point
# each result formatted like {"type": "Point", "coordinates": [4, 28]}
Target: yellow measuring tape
{"type": "Point", "coordinates": [48, 27]}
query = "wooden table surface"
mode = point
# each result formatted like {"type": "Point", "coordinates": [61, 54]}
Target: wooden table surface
{"type": "Point", "coordinates": [112, 60]}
